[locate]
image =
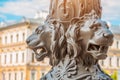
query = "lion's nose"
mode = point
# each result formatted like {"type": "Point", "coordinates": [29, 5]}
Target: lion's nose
{"type": "Point", "coordinates": [108, 34]}
{"type": "Point", "coordinates": [28, 41]}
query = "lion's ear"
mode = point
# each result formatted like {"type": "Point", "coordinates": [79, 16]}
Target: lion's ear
{"type": "Point", "coordinates": [74, 21]}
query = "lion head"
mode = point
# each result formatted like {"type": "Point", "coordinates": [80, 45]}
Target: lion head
{"type": "Point", "coordinates": [88, 38]}
{"type": "Point", "coordinates": [97, 38]}
{"type": "Point", "coordinates": [40, 40]}
{"type": "Point", "coordinates": [48, 40]}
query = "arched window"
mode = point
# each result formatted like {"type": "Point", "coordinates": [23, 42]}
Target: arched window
{"type": "Point", "coordinates": [17, 37]}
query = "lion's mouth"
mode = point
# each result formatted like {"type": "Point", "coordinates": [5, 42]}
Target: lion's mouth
{"type": "Point", "coordinates": [98, 51]}
{"type": "Point", "coordinates": [40, 52]}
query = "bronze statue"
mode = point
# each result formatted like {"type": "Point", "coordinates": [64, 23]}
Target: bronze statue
{"type": "Point", "coordinates": [74, 38]}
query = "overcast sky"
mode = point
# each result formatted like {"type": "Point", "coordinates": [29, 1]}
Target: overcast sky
{"type": "Point", "coordinates": [14, 10]}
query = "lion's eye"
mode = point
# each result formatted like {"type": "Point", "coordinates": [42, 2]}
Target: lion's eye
{"type": "Point", "coordinates": [38, 31]}
{"type": "Point", "coordinates": [93, 27]}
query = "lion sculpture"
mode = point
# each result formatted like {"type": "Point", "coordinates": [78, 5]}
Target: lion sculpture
{"type": "Point", "coordinates": [46, 41]}
{"type": "Point", "coordinates": [73, 54]}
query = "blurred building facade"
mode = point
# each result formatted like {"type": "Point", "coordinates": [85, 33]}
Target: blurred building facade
{"type": "Point", "coordinates": [17, 62]}
{"type": "Point", "coordinates": [112, 63]}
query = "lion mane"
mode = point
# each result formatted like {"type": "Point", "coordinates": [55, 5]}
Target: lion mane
{"type": "Point", "coordinates": [58, 46]}
{"type": "Point", "coordinates": [72, 39]}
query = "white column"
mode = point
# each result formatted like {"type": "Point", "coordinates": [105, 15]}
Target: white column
{"type": "Point", "coordinates": [19, 75]}
{"type": "Point", "coordinates": [27, 53]}
{"type": "Point", "coordinates": [2, 59]}
{"type": "Point", "coordinates": [3, 76]}
{"type": "Point", "coordinates": [106, 61]}
{"type": "Point", "coordinates": [114, 61]}
{"type": "Point", "coordinates": [6, 76]}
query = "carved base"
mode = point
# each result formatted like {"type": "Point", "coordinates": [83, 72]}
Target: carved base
{"type": "Point", "coordinates": [70, 70]}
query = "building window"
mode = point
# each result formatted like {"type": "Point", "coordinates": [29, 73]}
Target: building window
{"type": "Point", "coordinates": [15, 76]}
{"type": "Point", "coordinates": [33, 75]}
{"type": "Point", "coordinates": [33, 57]}
{"type": "Point", "coordinates": [23, 36]}
{"type": "Point", "coordinates": [16, 58]}
{"type": "Point", "coordinates": [110, 63]}
{"type": "Point", "coordinates": [22, 76]}
{"type": "Point", "coordinates": [117, 61]}
{"type": "Point", "coordinates": [102, 62]}
{"type": "Point", "coordinates": [43, 72]}
{"type": "Point", "coordinates": [5, 39]}
{"type": "Point", "coordinates": [10, 58]}
{"type": "Point", "coordinates": [5, 58]}
{"type": "Point", "coordinates": [117, 44]}
{"type": "Point", "coordinates": [11, 38]}
{"type": "Point", "coordinates": [23, 57]}
{"type": "Point", "coordinates": [9, 76]}
{"type": "Point", "coordinates": [17, 37]}
{"type": "Point", "coordinates": [3, 76]}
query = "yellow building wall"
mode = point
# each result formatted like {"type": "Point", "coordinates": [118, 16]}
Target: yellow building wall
{"type": "Point", "coordinates": [27, 68]}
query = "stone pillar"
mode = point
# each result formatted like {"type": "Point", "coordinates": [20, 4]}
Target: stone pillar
{"type": "Point", "coordinates": [65, 10]}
